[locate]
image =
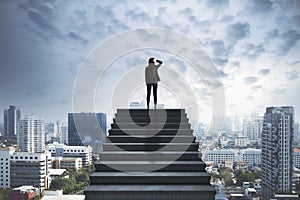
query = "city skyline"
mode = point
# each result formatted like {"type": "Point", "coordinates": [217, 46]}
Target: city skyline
{"type": "Point", "coordinates": [254, 45]}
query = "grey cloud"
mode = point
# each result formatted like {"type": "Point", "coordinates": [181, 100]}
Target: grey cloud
{"type": "Point", "coordinates": [39, 6]}
{"type": "Point", "coordinates": [187, 11]}
{"type": "Point", "coordinates": [41, 14]}
{"type": "Point", "coordinates": [264, 71]}
{"type": "Point", "coordinates": [296, 20]}
{"type": "Point", "coordinates": [292, 75]}
{"type": "Point", "coordinates": [38, 20]}
{"type": "Point", "coordinates": [256, 87]}
{"type": "Point", "coordinates": [251, 79]}
{"type": "Point", "coordinates": [223, 74]}
{"type": "Point", "coordinates": [260, 6]}
{"type": "Point", "coordinates": [77, 38]}
{"type": "Point", "coordinates": [214, 83]}
{"type": "Point", "coordinates": [220, 52]}
{"type": "Point", "coordinates": [220, 61]}
{"type": "Point", "coordinates": [47, 30]}
{"type": "Point", "coordinates": [279, 91]}
{"type": "Point", "coordinates": [218, 47]}
{"type": "Point", "coordinates": [271, 35]}
{"type": "Point", "coordinates": [135, 61]}
{"type": "Point", "coordinates": [236, 63]}
{"type": "Point", "coordinates": [217, 4]}
{"type": "Point", "coordinates": [253, 51]}
{"type": "Point", "coordinates": [289, 38]}
{"type": "Point", "coordinates": [177, 62]}
{"type": "Point", "coordinates": [294, 63]}
{"type": "Point", "coordinates": [136, 14]}
{"type": "Point", "coordinates": [237, 31]}
{"type": "Point", "coordinates": [117, 26]}
{"type": "Point", "coordinates": [227, 18]}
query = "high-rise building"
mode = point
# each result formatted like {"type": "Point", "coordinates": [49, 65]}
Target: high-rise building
{"type": "Point", "coordinates": [277, 159]}
{"type": "Point", "coordinates": [64, 134]}
{"type": "Point", "coordinates": [228, 124]}
{"type": "Point", "coordinates": [51, 130]}
{"type": "Point", "coordinates": [11, 117]}
{"type": "Point", "coordinates": [296, 130]}
{"type": "Point", "coordinates": [5, 168]}
{"type": "Point", "coordinates": [30, 169]}
{"type": "Point", "coordinates": [86, 128]}
{"type": "Point", "coordinates": [31, 134]}
{"type": "Point", "coordinates": [252, 128]}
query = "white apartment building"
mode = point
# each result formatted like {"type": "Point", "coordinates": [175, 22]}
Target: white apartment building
{"type": "Point", "coordinates": [62, 150]}
{"type": "Point", "coordinates": [30, 169]}
{"type": "Point", "coordinates": [241, 141]}
{"type": "Point", "coordinates": [252, 157]}
{"type": "Point", "coordinates": [5, 168]}
{"type": "Point", "coordinates": [219, 156]}
{"type": "Point", "coordinates": [31, 134]}
{"type": "Point", "coordinates": [252, 128]}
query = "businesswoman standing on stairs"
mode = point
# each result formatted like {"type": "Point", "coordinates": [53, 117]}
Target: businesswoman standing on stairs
{"type": "Point", "coordinates": [151, 78]}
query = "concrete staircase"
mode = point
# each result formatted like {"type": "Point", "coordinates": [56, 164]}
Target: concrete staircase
{"type": "Point", "coordinates": [150, 154]}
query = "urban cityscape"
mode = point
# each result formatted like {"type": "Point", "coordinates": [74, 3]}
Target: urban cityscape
{"type": "Point", "coordinates": [256, 157]}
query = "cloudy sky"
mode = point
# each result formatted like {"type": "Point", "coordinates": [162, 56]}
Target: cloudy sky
{"type": "Point", "coordinates": [255, 45]}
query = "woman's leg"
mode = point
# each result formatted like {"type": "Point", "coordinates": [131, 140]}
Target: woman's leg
{"type": "Point", "coordinates": [155, 94]}
{"type": "Point", "coordinates": [148, 94]}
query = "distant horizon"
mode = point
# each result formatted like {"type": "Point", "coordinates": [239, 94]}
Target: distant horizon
{"type": "Point", "coordinates": [109, 120]}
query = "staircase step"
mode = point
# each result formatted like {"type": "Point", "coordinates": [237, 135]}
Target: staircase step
{"type": "Point", "coordinates": [147, 166]}
{"type": "Point", "coordinates": [150, 120]}
{"type": "Point", "coordinates": [151, 111]}
{"type": "Point", "coordinates": [153, 139]}
{"type": "Point", "coordinates": [149, 192]}
{"type": "Point", "coordinates": [142, 126]}
{"type": "Point", "coordinates": [149, 156]}
{"type": "Point", "coordinates": [149, 178]}
{"type": "Point", "coordinates": [150, 146]}
{"type": "Point", "coordinates": [151, 132]}
{"type": "Point", "coordinates": [151, 114]}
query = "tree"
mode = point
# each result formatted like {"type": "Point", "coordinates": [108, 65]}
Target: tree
{"type": "Point", "coordinates": [82, 177]}
{"type": "Point", "coordinates": [245, 177]}
{"type": "Point", "coordinates": [238, 173]}
{"type": "Point", "coordinates": [227, 176]}
{"type": "Point", "coordinates": [257, 175]}
{"type": "Point", "coordinates": [5, 193]}
{"type": "Point", "coordinates": [60, 183]}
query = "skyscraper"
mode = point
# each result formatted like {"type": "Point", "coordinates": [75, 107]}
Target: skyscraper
{"type": "Point", "coordinates": [277, 159]}
{"type": "Point", "coordinates": [64, 134]}
{"type": "Point", "coordinates": [11, 117]}
{"type": "Point", "coordinates": [31, 134]}
{"type": "Point", "coordinates": [86, 128]}
{"type": "Point", "coordinates": [252, 128]}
